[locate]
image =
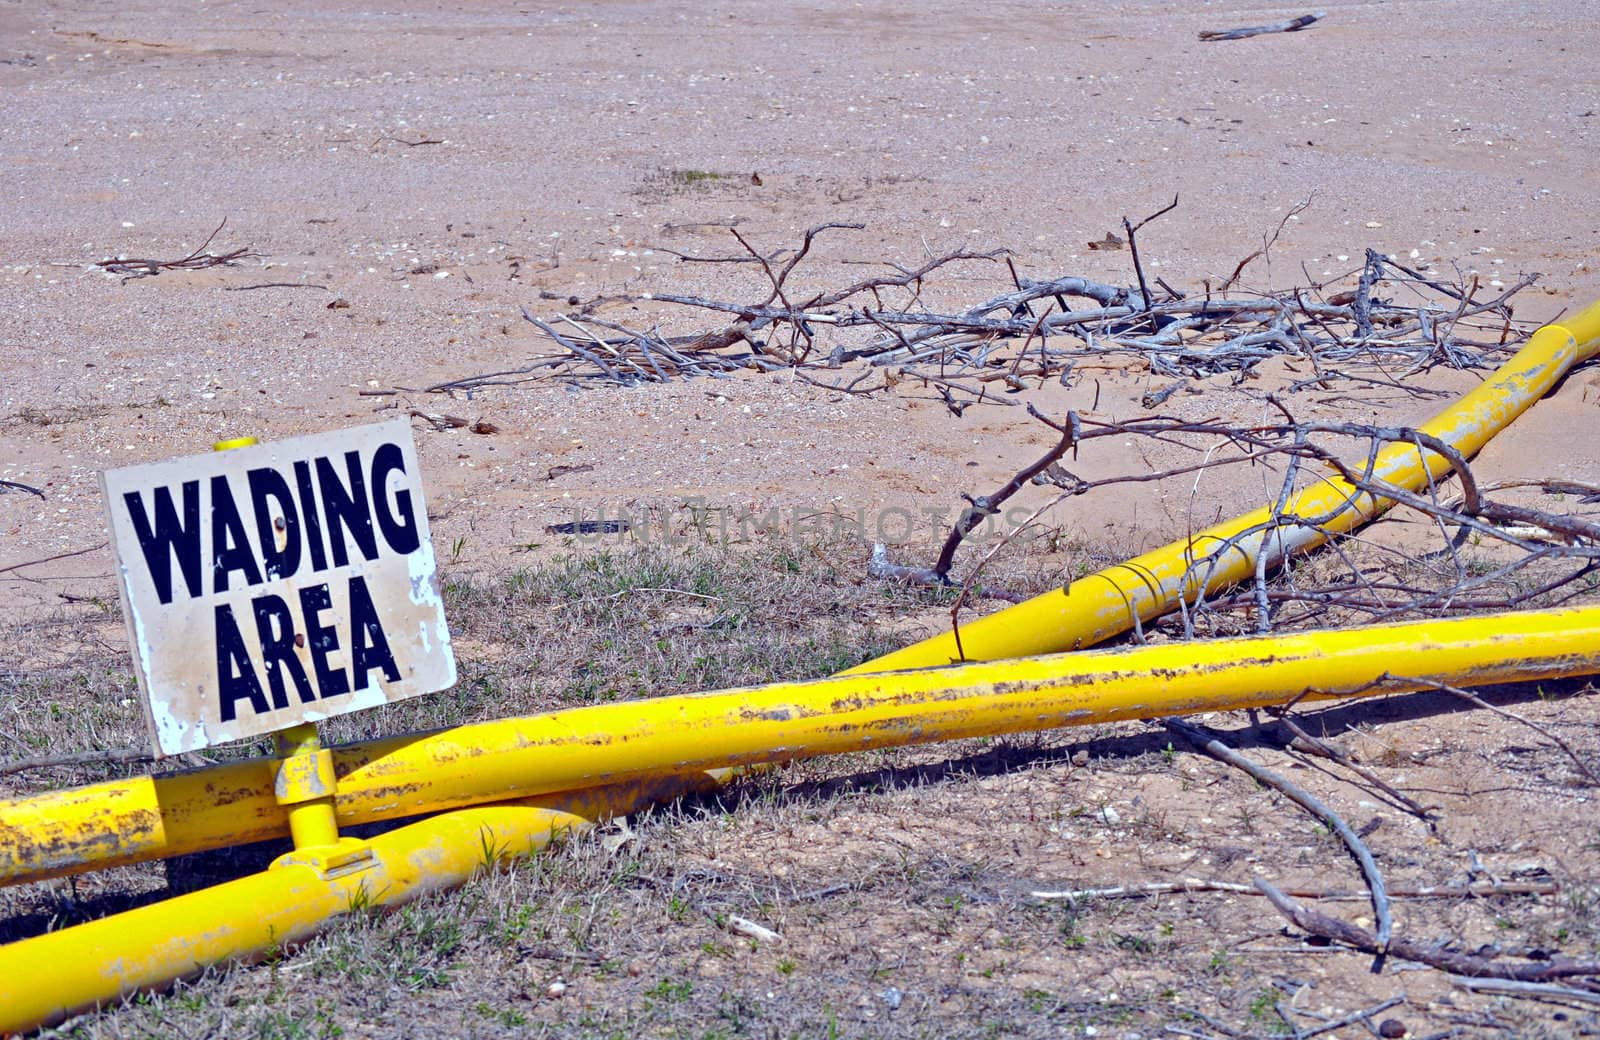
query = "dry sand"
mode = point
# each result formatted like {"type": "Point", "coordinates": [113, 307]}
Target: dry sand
{"type": "Point", "coordinates": [1466, 131]}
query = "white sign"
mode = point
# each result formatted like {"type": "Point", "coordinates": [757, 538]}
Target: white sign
{"type": "Point", "coordinates": [277, 584]}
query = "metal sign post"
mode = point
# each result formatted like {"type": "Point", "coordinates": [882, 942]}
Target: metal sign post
{"type": "Point", "coordinates": [305, 784]}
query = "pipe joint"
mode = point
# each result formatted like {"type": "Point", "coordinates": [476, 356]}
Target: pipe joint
{"type": "Point", "coordinates": [305, 777]}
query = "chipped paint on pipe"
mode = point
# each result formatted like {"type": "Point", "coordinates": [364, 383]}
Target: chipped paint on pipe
{"type": "Point", "coordinates": [46, 978]}
{"type": "Point", "coordinates": [604, 743]}
{"type": "Point", "coordinates": [564, 750]}
{"type": "Point", "coordinates": [1105, 603]}
{"type": "Point", "coordinates": [144, 818]}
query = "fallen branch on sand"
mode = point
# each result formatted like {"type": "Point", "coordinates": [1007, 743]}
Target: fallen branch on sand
{"type": "Point", "coordinates": [195, 261]}
{"type": "Point", "coordinates": [1290, 25]}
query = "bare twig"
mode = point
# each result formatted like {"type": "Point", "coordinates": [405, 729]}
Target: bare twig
{"type": "Point", "coordinates": [115, 756]}
{"type": "Point", "coordinates": [1363, 855]}
{"type": "Point", "coordinates": [195, 261]}
{"type": "Point", "coordinates": [274, 285]}
{"type": "Point", "coordinates": [985, 506]}
{"type": "Point", "coordinates": [1306, 742]}
{"type": "Point", "coordinates": [1158, 888]}
{"type": "Point", "coordinates": [1133, 247]}
{"type": "Point", "coordinates": [16, 485]}
{"type": "Point", "coordinates": [51, 559]}
{"type": "Point", "coordinates": [1476, 701]}
{"type": "Point", "coordinates": [1463, 964]}
{"type": "Point", "coordinates": [1527, 990]}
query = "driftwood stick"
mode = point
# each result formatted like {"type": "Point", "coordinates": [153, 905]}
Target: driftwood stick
{"type": "Point", "coordinates": [597, 362]}
{"type": "Point", "coordinates": [1306, 800]}
{"type": "Point", "coordinates": [1305, 21]}
{"type": "Point", "coordinates": [1529, 990]}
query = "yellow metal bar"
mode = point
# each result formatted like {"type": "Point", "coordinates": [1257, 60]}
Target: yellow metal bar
{"type": "Point", "coordinates": [305, 787]}
{"type": "Point", "coordinates": [1105, 603]}
{"type": "Point", "coordinates": [46, 978]}
{"type": "Point", "coordinates": [130, 821]}
{"type": "Point", "coordinates": [660, 741]}
{"type": "Point", "coordinates": [510, 758]}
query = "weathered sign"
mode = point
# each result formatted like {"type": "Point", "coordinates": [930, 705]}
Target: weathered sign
{"type": "Point", "coordinates": [278, 584]}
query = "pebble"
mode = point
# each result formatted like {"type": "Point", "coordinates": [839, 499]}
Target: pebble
{"type": "Point", "coordinates": [1392, 1029]}
{"type": "Point", "coordinates": [555, 989]}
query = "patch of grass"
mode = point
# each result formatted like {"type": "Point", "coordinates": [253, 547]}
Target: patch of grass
{"type": "Point", "coordinates": [693, 177]}
{"type": "Point", "coordinates": [617, 624]}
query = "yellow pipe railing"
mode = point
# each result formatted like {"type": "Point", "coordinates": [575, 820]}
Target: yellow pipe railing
{"type": "Point", "coordinates": [51, 975]}
{"type": "Point", "coordinates": [1105, 603]}
{"type": "Point", "coordinates": [304, 781]}
{"type": "Point", "coordinates": [130, 821]}
{"type": "Point", "coordinates": [509, 758]}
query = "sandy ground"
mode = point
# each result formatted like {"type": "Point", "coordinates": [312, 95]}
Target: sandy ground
{"type": "Point", "coordinates": [131, 130]}
{"type": "Point", "coordinates": [439, 167]}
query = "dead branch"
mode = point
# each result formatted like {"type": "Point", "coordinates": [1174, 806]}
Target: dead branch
{"type": "Point", "coordinates": [1309, 744]}
{"type": "Point", "coordinates": [1266, 243]}
{"type": "Point", "coordinates": [1526, 990]}
{"type": "Point", "coordinates": [115, 756]}
{"type": "Point", "coordinates": [1316, 923]}
{"type": "Point", "coordinates": [195, 261]}
{"type": "Point", "coordinates": [1133, 247]}
{"type": "Point", "coordinates": [275, 285]}
{"type": "Point", "coordinates": [51, 559]}
{"type": "Point", "coordinates": [16, 485]}
{"type": "Point", "coordinates": [1478, 890]}
{"type": "Point", "coordinates": [985, 506]}
{"type": "Point", "coordinates": [883, 321]}
{"type": "Point", "coordinates": [1479, 702]}
{"type": "Point", "coordinates": [879, 567]}
{"type": "Point", "coordinates": [1306, 800]}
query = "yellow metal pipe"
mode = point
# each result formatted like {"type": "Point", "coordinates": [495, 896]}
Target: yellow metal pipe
{"type": "Point", "coordinates": [661, 742]}
{"type": "Point", "coordinates": [46, 978]}
{"type": "Point", "coordinates": [305, 787]}
{"type": "Point", "coordinates": [521, 757]}
{"type": "Point", "coordinates": [1105, 603]}
{"type": "Point", "coordinates": [144, 818]}
{"type": "Point", "coordinates": [304, 782]}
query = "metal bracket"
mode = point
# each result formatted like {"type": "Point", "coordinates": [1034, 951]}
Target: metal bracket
{"type": "Point", "coordinates": [349, 856]}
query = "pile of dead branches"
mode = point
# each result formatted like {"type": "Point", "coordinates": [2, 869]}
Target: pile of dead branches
{"type": "Point", "coordinates": [1394, 322]}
